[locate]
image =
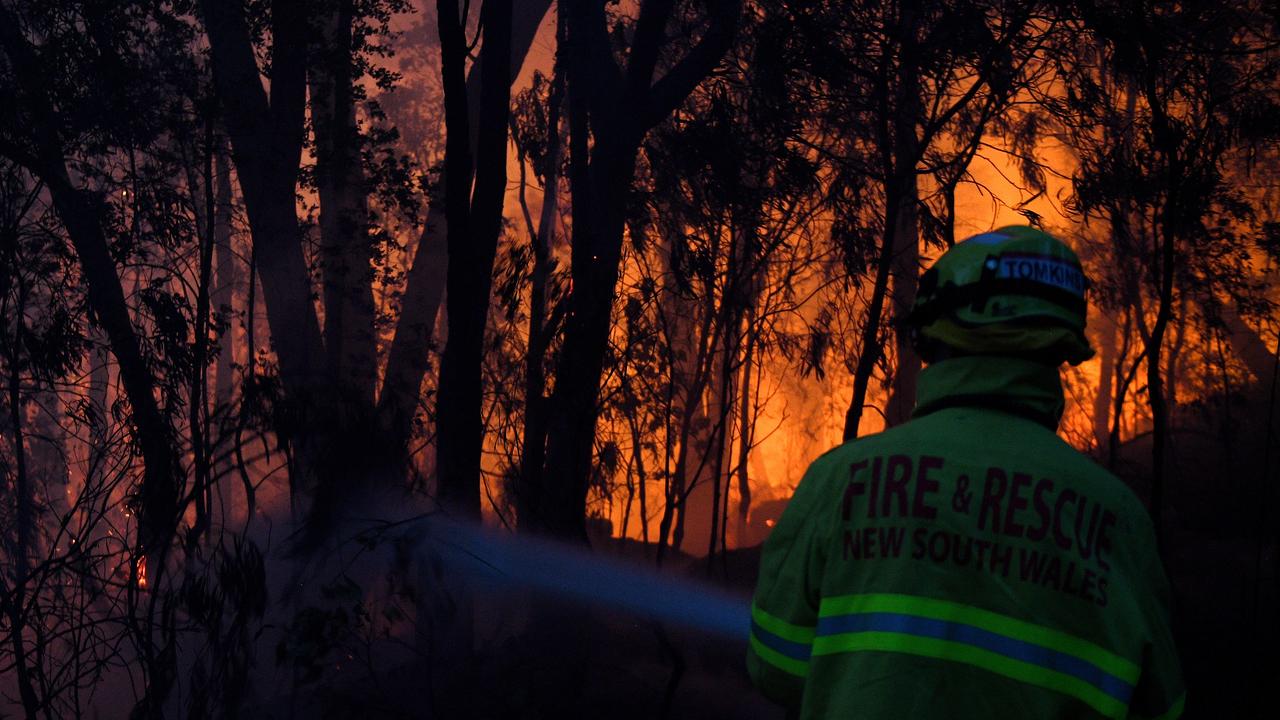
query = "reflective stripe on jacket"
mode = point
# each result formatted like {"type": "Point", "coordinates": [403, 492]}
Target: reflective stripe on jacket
{"type": "Point", "coordinates": [968, 563]}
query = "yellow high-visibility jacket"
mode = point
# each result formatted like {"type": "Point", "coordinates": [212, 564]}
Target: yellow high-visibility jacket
{"type": "Point", "coordinates": [966, 564]}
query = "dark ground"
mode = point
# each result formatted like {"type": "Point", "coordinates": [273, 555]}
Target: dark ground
{"type": "Point", "coordinates": [544, 657]}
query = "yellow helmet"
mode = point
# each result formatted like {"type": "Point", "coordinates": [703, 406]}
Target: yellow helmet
{"type": "Point", "coordinates": [1012, 291]}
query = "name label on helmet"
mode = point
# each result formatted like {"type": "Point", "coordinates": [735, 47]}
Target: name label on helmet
{"type": "Point", "coordinates": [1044, 269]}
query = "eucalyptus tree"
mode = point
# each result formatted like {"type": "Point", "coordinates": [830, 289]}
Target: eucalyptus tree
{"type": "Point", "coordinates": [63, 128]}
{"type": "Point", "coordinates": [41, 340]}
{"type": "Point", "coordinates": [613, 103]}
{"type": "Point", "coordinates": [1185, 88]}
{"type": "Point", "coordinates": [345, 435]}
{"type": "Point", "coordinates": [105, 112]}
{"type": "Point", "coordinates": [410, 353]}
{"type": "Point", "coordinates": [719, 244]}
{"type": "Point", "coordinates": [475, 222]}
{"type": "Point", "coordinates": [906, 92]}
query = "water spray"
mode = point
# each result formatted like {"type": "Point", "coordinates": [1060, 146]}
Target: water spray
{"type": "Point", "coordinates": [505, 562]}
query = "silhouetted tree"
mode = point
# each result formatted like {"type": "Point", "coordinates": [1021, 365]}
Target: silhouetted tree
{"type": "Point", "coordinates": [909, 90]}
{"type": "Point", "coordinates": [475, 221]}
{"type": "Point", "coordinates": [611, 107]}
{"type": "Point", "coordinates": [43, 129]}
{"type": "Point", "coordinates": [1182, 88]}
{"type": "Point", "coordinates": [409, 356]}
{"type": "Point", "coordinates": [728, 186]}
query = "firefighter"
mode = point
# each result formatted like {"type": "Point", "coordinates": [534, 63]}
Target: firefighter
{"type": "Point", "coordinates": [969, 563]}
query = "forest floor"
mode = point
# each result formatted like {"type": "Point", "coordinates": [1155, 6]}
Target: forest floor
{"type": "Point", "coordinates": [700, 675]}
{"type": "Point", "coordinates": [544, 656]}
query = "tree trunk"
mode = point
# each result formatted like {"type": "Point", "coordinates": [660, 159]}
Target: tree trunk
{"type": "Point", "coordinates": [227, 277]}
{"type": "Point", "coordinates": [692, 322]}
{"type": "Point", "coordinates": [80, 212]}
{"type": "Point", "coordinates": [327, 426]}
{"type": "Point", "coordinates": [731, 316]}
{"type": "Point", "coordinates": [597, 251]}
{"type": "Point", "coordinates": [1176, 361]}
{"type": "Point", "coordinates": [534, 437]}
{"type": "Point", "coordinates": [617, 109]}
{"type": "Point", "coordinates": [160, 491]}
{"type": "Point", "coordinates": [637, 444]}
{"type": "Point", "coordinates": [870, 347]}
{"type": "Point", "coordinates": [690, 376]}
{"type": "Point", "coordinates": [25, 518]}
{"type": "Point", "coordinates": [410, 353]}
{"type": "Point", "coordinates": [475, 221]}
{"type": "Point", "coordinates": [755, 280]}
{"type": "Point", "coordinates": [267, 134]}
{"type": "Point", "coordinates": [905, 268]}
{"type": "Point", "coordinates": [898, 108]}
{"type": "Point", "coordinates": [746, 429]}
{"type": "Point", "coordinates": [346, 248]}
{"type": "Point", "coordinates": [266, 142]}
{"type": "Point", "coordinates": [198, 381]}
{"type": "Point", "coordinates": [1155, 386]}
{"type": "Point", "coordinates": [1106, 334]}
{"type": "Point", "coordinates": [906, 228]}
{"type": "Point", "coordinates": [1122, 383]}
{"type": "Point", "coordinates": [1165, 141]}
{"type": "Point", "coordinates": [100, 429]}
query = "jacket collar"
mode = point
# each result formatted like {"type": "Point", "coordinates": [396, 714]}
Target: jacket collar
{"type": "Point", "coordinates": [1013, 385]}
